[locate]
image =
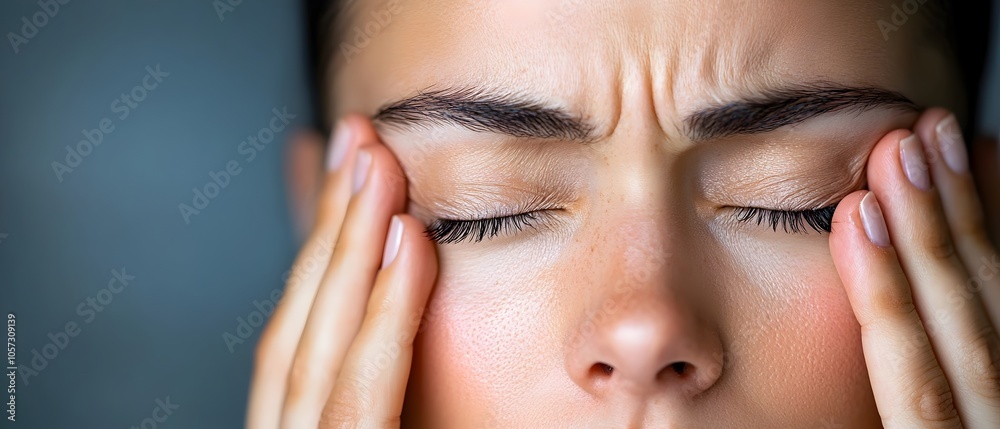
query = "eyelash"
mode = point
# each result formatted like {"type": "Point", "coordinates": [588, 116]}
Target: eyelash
{"type": "Point", "coordinates": [448, 231]}
{"type": "Point", "coordinates": [820, 220]}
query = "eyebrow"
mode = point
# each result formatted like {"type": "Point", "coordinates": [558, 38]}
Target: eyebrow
{"type": "Point", "coordinates": [481, 110]}
{"type": "Point", "coordinates": [774, 109]}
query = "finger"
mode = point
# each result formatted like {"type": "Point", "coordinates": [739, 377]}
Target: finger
{"type": "Point", "coordinates": [276, 346]}
{"type": "Point", "coordinates": [304, 171]}
{"type": "Point", "coordinates": [962, 335]}
{"type": "Point", "coordinates": [910, 387]}
{"type": "Point", "coordinates": [949, 167]}
{"type": "Point", "coordinates": [338, 309]}
{"type": "Point", "coordinates": [370, 388]}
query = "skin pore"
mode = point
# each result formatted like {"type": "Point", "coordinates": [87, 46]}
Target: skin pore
{"type": "Point", "coordinates": [635, 295]}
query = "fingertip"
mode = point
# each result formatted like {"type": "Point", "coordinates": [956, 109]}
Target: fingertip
{"type": "Point", "coordinates": [846, 223]}
{"type": "Point", "coordinates": [883, 162]}
{"type": "Point", "coordinates": [387, 175]}
{"type": "Point", "coordinates": [349, 133]}
{"type": "Point", "coordinates": [392, 241]}
{"type": "Point", "coordinates": [363, 128]}
{"type": "Point", "coordinates": [341, 150]}
{"type": "Point", "coordinates": [418, 249]}
{"type": "Point", "coordinates": [340, 141]}
{"type": "Point", "coordinates": [926, 129]}
{"type": "Point", "coordinates": [414, 267]}
{"type": "Point", "coordinates": [847, 210]}
{"type": "Point", "coordinates": [873, 221]}
{"type": "Point", "coordinates": [855, 254]}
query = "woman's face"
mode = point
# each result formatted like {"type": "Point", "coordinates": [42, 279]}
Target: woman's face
{"type": "Point", "coordinates": [640, 291]}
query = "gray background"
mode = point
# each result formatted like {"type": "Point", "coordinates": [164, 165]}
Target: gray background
{"type": "Point", "coordinates": [163, 334]}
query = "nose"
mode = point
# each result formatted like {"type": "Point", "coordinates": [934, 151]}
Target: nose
{"type": "Point", "coordinates": [649, 345]}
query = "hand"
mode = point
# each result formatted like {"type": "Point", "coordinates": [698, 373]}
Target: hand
{"type": "Point", "coordinates": [923, 279]}
{"type": "Point", "coordinates": [337, 351]}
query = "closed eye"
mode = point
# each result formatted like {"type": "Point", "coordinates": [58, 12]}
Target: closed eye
{"type": "Point", "coordinates": [447, 231]}
{"type": "Point", "coordinates": [450, 231]}
{"type": "Point", "coordinates": [790, 221]}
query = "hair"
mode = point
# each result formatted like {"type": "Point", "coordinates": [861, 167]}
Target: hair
{"type": "Point", "coordinates": [966, 25]}
{"type": "Point", "coordinates": [969, 35]}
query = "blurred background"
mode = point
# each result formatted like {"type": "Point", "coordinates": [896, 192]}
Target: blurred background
{"type": "Point", "coordinates": [143, 219]}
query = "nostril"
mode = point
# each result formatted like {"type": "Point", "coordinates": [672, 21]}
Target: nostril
{"type": "Point", "coordinates": [602, 369]}
{"type": "Point", "coordinates": [679, 367]}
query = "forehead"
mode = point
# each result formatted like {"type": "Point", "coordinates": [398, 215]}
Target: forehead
{"type": "Point", "coordinates": [577, 52]}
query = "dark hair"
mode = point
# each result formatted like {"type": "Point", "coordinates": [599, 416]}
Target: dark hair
{"type": "Point", "coordinates": [315, 33]}
{"type": "Point", "coordinates": [967, 24]}
{"type": "Point", "coordinates": [969, 34]}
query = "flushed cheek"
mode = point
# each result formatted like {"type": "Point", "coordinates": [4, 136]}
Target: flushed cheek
{"type": "Point", "coordinates": [806, 358]}
{"type": "Point", "coordinates": [818, 360]}
{"type": "Point", "coordinates": [487, 341]}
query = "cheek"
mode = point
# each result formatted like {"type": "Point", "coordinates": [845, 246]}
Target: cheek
{"type": "Point", "coordinates": [487, 342]}
{"type": "Point", "coordinates": [800, 349]}
{"type": "Point", "coordinates": [491, 346]}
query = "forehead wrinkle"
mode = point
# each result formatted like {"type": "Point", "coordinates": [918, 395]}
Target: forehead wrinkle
{"type": "Point", "coordinates": [733, 58]}
{"type": "Point", "coordinates": [720, 62]}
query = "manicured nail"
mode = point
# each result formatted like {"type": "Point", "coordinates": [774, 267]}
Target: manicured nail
{"type": "Point", "coordinates": [392, 241]}
{"type": "Point", "coordinates": [952, 146]}
{"type": "Point", "coordinates": [338, 145]}
{"type": "Point", "coordinates": [873, 222]}
{"type": "Point", "coordinates": [911, 155]}
{"type": "Point", "coordinates": [361, 166]}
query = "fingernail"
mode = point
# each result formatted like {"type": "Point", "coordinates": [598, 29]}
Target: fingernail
{"type": "Point", "coordinates": [361, 166]}
{"type": "Point", "coordinates": [911, 155]}
{"type": "Point", "coordinates": [338, 145]}
{"type": "Point", "coordinates": [873, 222]}
{"type": "Point", "coordinates": [952, 146]}
{"type": "Point", "coordinates": [392, 241]}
